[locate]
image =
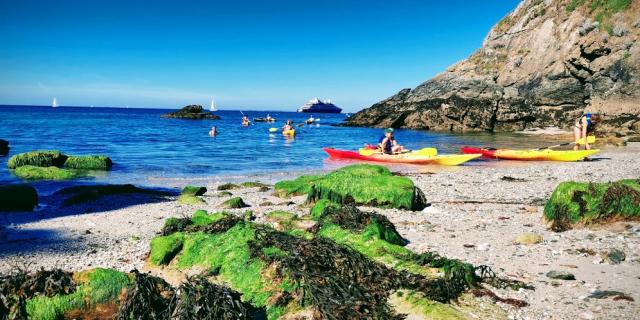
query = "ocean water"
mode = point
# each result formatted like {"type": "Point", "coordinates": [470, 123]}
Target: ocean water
{"type": "Point", "coordinates": [150, 150]}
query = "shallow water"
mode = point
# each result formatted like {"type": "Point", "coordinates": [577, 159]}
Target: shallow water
{"type": "Point", "coordinates": [149, 150]}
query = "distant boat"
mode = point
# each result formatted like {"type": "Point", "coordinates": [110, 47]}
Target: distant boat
{"type": "Point", "coordinates": [54, 104]}
{"type": "Point", "coordinates": [213, 105]}
{"type": "Point", "coordinates": [318, 106]}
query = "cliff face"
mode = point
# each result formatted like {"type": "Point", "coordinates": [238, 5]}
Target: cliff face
{"type": "Point", "coordinates": [544, 64]}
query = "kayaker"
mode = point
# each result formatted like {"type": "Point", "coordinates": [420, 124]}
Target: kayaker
{"type": "Point", "coordinates": [245, 121]}
{"type": "Point", "coordinates": [388, 143]}
{"type": "Point", "coordinates": [213, 132]}
{"type": "Point", "coordinates": [584, 126]}
{"type": "Point", "coordinates": [287, 126]}
{"type": "Point", "coordinates": [269, 118]}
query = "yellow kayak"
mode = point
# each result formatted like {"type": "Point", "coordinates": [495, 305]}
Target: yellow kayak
{"type": "Point", "coordinates": [291, 132]}
{"type": "Point", "coordinates": [532, 154]}
{"type": "Point", "coordinates": [409, 158]}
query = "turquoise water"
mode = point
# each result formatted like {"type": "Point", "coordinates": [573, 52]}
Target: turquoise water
{"type": "Point", "coordinates": [151, 150]}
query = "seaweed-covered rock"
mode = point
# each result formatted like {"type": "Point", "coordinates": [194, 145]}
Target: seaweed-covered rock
{"type": "Point", "coordinates": [192, 112]}
{"type": "Point", "coordinates": [228, 186]}
{"type": "Point", "coordinates": [18, 197]}
{"type": "Point", "coordinates": [584, 203]}
{"type": "Point", "coordinates": [190, 199]}
{"type": "Point", "coordinates": [91, 162]}
{"type": "Point", "coordinates": [363, 184]}
{"type": "Point", "coordinates": [29, 172]}
{"type": "Point", "coordinates": [4, 147]}
{"type": "Point", "coordinates": [193, 190]}
{"type": "Point", "coordinates": [234, 203]}
{"type": "Point", "coordinates": [42, 158]}
{"type": "Point", "coordinates": [253, 184]}
{"type": "Point", "coordinates": [81, 194]}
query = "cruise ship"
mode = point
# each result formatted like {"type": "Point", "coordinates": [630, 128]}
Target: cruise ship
{"type": "Point", "coordinates": [318, 106]}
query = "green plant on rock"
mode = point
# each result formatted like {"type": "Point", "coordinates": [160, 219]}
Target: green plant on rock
{"type": "Point", "coordinates": [228, 186]}
{"type": "Point", "coordinates": [42, 158]}
{"type": "Point", "coordinates": [234, 203]}
{"type": "Point", "coordinates": [578, 202]}
{"type": "Point", "coordinates": [29, 172]}
{"type": "Point", "coordinates": [190, 199]}
{"type": "Point", "coordinates": [193, 191]}
{"type": "Point", "coordinates": [91, 162]}
{"type": "Point", "coordinates": [253, 184]}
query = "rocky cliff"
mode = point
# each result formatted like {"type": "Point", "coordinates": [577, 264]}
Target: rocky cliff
{"type": "Point", "coordinates": [544, 64]}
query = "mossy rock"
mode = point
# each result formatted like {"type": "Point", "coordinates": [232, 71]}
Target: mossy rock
{"type": "Point", "coordinates": [320, 206]}
{"type": "Point", "coordinates": [234, 203]}
{"type": "Point", "coordinates": [91, 162]}
{"type": "Point", "coordinates": [224, 194]}
{"type": "Point", "coordinates": [18, 197]}
{"type": "Point", "coordinates": [363, 184]}
{"type": "Point", "coordinates": [190, 199]}
{"type": "Point", "coordinates": [253, 184]}
{"type": "Point", "coordinates": [42, 158]}
{"type": "Point", "coordinates": [82, 194]}
{"type": "Point", "coordinates": [228, 186]}
{"type": "Point", "coordinates": [193, 190]}
{"type": "Point", "coordinates": [4, 147]}
{"type": "Point", "coordinates": [164, 249]}
{"type": "Point", "coordinates": [584, 203]}
{"type": "Point", "coordinates": [29, 172]}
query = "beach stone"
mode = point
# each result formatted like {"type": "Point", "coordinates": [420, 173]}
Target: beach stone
{"type": "Point", "coordinates": [528, 238]}
{"type": "Point", "coordinates": [194, 191]}
{"type": "Point", "coordinates": [561, 275]}
{"type": "Point", "coordinates": [483, 247]}
{"type": "Point", "coordinates": [615, 256]}
{"type": "Point", "coordinates": [587, 316]}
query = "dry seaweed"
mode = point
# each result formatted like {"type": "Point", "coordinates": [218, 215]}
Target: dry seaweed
{"type": "Point", "coordinates": [200, 299]}
{"type": "Point", "coordinates": [222, 225]}
{"type": "Point", "coordinates": [147, 297]}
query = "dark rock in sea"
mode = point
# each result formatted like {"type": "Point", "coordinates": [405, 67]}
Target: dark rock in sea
{"type": "Point", "coordinates": [561, 275]}
{"type": "Point", "coordinates": [192, 112]}
{"type": "Point", "coordinates": [615, 256]}
{"type": "Point", "coordinates": [82, 194]}
{"type": "Point", "coordinates": [18, 197]}
{"type": "Point", "coordinates": [4, 147]}
{"type": "Point", "coordinates": [539, 66]}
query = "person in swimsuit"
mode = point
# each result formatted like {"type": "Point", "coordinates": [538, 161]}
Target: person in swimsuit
{"type": "Point", "coordinates": [213, 132]}
{"type": "Point", "coordinates": [388, 143]}
{"type": "Point", "coordinates": [584, 126]}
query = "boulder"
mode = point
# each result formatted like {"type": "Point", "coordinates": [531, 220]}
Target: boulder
{"type": "Point", "coordinates": [46, 173]}
{"type": "Point", "coordinates": [41, 158]}
{"type": "Point", "coordinates": [4, 147]}
{"type": "Point", "coordinates": [542, 65]}
{"type": "Point", "coordinates": [234, 203]}
{"type": "Point", "coordinates": [193, 190]}
{"type": "Point", "coordinates": [192, 112]}
{"type": "Point", "coordinates": [91, 162]}
{"type": "Point", "coordinates": [560, 275]}
{"type": "Point", "coordinates": [18, 197]}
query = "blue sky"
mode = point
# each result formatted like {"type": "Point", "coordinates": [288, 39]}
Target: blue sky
{"type": "Point", "coordinates": [248, 54]}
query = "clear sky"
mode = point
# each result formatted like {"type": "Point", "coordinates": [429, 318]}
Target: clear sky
{"type": "Point", "coordinates": [248, 54]}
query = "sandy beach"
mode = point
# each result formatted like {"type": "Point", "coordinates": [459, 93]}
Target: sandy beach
{"type": "Point", "coordinates": [476, 214]}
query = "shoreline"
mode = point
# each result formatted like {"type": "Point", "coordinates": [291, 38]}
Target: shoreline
{"type": "Point", "coordinates": [466, 220]}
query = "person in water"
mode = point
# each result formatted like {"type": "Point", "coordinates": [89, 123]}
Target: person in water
{"type": "Point", "coordinates": [287, 126]}
{"type": "Point", "coordinates": [245, 121]}
{"type": "Point", "coordinates": [213, 132]}
{"type": "Point", "coordinates": [388, 143]}
{"type": "Point", "coordinates": [584, 126]}
{"type": "Point", "coordinates": [269, 117]}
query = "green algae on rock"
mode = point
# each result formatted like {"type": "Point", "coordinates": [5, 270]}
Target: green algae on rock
{"type": "Point", "coordinates": [91, 162]}
{"type": "Point", "coordinates": [585, 203]}
{"type": "Point", "coordinates": [29, 172]}
{"type": "Point", "coordinates": [193, 190]}
{"type": "Point", "coordinates": [228, 186]}
{"type": "Point", "coordinates": [190, 199]}
{"type": "Point", "coordinates": [42, 158]}
{"type": "Point", "coordinates": [234, 203]}
{"type": "Point", "coordinates": [18, 197]}
{"type": "Point", "coordinates": [253, 184]}
{"type": "Point", "coordinates": [363, 184]}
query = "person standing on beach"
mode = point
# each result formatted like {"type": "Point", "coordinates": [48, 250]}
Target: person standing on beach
{"type": "Point", "coordinates": [584, 126]}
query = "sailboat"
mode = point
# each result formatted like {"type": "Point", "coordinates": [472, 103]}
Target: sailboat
{"type": "Point", "coordinates": [213, 105]}
{"type": "Point", "coordinates": [54, 104]}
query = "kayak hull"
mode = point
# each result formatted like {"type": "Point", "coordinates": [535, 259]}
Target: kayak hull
{"type": "Point", "coordinates": [532, 154]}
{"type": "Point", "coordinates": [290, 133]}
{"type": "Point", "coordinates": [446, 160]}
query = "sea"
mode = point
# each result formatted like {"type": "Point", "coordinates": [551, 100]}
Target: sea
{"type": "Point", "coordinates": [149, 150]}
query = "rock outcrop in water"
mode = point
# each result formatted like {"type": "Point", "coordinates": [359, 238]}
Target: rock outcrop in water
{"type": "Point", "coordinates": [4, 147]}
{"type": "Point", "coordinates": [544, 64]}
{"type": "Point", "coordinates": [192, 112]}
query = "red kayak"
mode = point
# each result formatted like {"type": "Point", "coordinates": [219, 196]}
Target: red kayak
{"type": "Point", "coordinates": [409, 158]}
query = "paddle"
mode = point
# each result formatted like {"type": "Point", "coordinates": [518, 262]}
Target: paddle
{"type": "Point", "coordinates": [273, 129]}
{"type": "Point", "coordinates": [590, 139]}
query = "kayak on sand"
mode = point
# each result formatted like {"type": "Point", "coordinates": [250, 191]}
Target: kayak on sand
{"type": "Point", "coordinates": [408, 158]}
{"type": "Point", "coordinates": [531, 154]}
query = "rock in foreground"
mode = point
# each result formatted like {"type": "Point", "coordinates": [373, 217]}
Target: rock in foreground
{"type": "Point", "coordinates": [192, 112]}
{"type": "Point", "coordinates": [18, 197]}
{"type": "Point", "coordinates": [585, 203]}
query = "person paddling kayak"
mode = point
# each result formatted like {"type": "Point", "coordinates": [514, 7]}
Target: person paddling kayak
{"type": "Point", "coordinates": [287, 126]}
{"type": "Point", "coordinates": [388, 143]}
{"type": "Point", "coordinates": [584, 126]}
{"type": "Point", "coordinates": [245, 121]}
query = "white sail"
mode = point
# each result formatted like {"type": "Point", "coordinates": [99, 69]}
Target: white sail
{"type": "Point", "coordinates": [54, 104]}
{"type": "Point", "coordinates": [213, 105]}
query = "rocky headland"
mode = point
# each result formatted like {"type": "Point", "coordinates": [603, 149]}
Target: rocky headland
{"type": "Point", "coordinates": [542, 65]}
